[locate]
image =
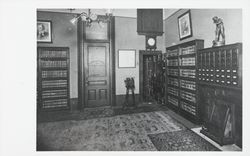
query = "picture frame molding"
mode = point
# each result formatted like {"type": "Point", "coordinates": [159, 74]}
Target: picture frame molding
{"type": "Point", "coordinates": [188, 12]}
{"type": "Point", "coordinates": [129, 50]}
{"type": "Point", "coordinates": [50, 33]}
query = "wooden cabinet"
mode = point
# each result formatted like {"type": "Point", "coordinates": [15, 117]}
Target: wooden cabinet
{"type": "Point", "coordinates": [220, 93]}
{"type": "Point", "coordinates": [181, 87]}
{"type": "Point", "coordinates": [52, 78]}
{"type": "Point", "coordinates": [150, 22]}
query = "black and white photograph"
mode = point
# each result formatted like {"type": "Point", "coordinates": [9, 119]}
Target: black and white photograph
{"type": "Point", "coordinates": [181, 97]}
{"type": "Point", "coordinates": [101, 78]}
{"type": "Point", "coordinates": [44, 31]}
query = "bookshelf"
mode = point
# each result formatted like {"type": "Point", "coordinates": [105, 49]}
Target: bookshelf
{"type": "Point", "coordinates": [52, 78]}
{"type": "Point", "coordinates": [181, 89]}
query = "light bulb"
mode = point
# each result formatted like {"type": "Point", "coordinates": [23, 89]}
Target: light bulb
{"type": "Point", "coordinates": [73, 20]}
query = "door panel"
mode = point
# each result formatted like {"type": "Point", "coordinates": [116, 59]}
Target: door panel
{"type": "Point", "coordinates": [96, 64]}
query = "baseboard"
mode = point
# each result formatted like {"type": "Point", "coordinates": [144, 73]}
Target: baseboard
{"type": "Point", "coordinates": [121, 98]}
{"type": "Point", "coordinates": [73, 104]}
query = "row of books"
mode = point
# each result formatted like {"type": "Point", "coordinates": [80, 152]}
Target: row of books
{"type": "Point", "coordinates": [48, 64]}
{"type": "Point", "coordinates": [54, 93]}
{"type": "Point", "coordinates": [51, 54]}
{"type": "Point", "coordinates": [190, 61]}
{"type": "Point", "coordinates": [55, 103]}
{"type": "Point", "coordinates": [188, 84]}
{"type": "Point", "coordinates": [173, 100]}
{"type": "Point", "coordinates": [54, 73]}
{"type": "Point", "coordinates": [173, 91]}
{"type": "Point", "coordinates": [172, 52]}
{"type": "Point", "coordinates": [187, 50]}
{"type": "Point", "coordinates": [172, 62]}
{"type": "Point", "coordinates": [173, 81]}
{"type": "Point", "coordinates": [187, 107]}
{"type": "Point", "coordinates": [54, 83]}
{"type": "Point", "coordinates": [190, 73]}
{"type": "Point", "coordinates": [188, 96]}
{"type": "Point", "coordinates": [173, 72]}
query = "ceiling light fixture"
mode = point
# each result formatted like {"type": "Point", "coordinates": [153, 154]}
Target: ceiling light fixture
{"type": "Point", "coordinates": [90, 17]}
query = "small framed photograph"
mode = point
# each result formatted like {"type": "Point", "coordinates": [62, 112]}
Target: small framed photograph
{"type": "Point", "coordinates": [126, 58]}
{"type": "Point", "coordinates": [185, 25]}
{"type": "Point", "coordinates": [44, 31]}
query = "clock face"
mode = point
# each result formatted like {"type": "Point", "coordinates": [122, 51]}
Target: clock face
{"type": "Point", "coordinates": [151, 41]}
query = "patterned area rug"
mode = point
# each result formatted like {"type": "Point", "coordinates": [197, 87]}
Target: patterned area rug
{"type": "Point", "coordinates": [117, 133]}
{"type": "Point", "coordinates": [184, 140]}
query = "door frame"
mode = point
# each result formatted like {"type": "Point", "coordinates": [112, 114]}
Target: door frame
{"type": "Point", "coordinates": [81, 68]}
{"type": "Point", "coordinates": [141, 54]}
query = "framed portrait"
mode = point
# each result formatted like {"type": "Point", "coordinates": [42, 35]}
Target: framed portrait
{"type": "Point", "coordinates": [185, 25]}
{"type": "Point", "coordinates": [126, 58]}
{"type": "Point", "coordinates": [44, 31]}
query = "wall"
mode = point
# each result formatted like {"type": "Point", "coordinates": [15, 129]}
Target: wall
{"type": "Point", "coordinates": [64, 34]}
{"type": "Point", "coordinates": [126, 37]}
{"type": "Point", "coordinates": [203, 26]}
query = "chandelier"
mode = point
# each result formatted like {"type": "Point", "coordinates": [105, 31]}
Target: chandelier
{"type": "Point", "coordinates": [89, 17]}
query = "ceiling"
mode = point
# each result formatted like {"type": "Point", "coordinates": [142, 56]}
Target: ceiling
{"type": "Point", "coordinates": [116, 12]}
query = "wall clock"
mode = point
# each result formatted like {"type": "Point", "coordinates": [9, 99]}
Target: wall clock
{"type": "Point", "coordinates": [150, 42]}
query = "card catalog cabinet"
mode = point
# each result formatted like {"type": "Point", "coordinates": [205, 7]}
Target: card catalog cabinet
{"type": "Point", "coordinates": [220, 92]}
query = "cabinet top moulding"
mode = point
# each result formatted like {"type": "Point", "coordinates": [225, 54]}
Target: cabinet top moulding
{"type": "Point", "coordinates": [187, 44]}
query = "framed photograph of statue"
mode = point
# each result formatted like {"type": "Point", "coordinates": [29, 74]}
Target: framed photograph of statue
{"type": "Point", "coordinates": [185, 25]}
{"type": "Point", "coordinates": [44, 31]}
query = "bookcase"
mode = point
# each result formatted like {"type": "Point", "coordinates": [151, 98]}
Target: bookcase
{"type": "Point", "coordinates": [181, 89]}
{"type": "Point", "coordinates": [220, 93]}
{"type": "Point", "coordinates": [52, 78]}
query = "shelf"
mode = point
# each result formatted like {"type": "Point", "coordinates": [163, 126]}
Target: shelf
{"type": "Point", "coordinates": [54, 98]}
{"type": "Point", "coordinates": [189, 102]}
{"type": "Point", "coordinates": [188, 67]}
{"type": "Point", "coordinates": [174, 67]}
{"type": "Point", "coordinates": [55, 78]}
{"type": "Point", "coordinates": [188, 90]}
{"type": "Point", "coordinates": [173, 76]}
{"type": "Point", "coordinates": [185, 69]}
{"type": "Point", "coordinates": [172, 57]}
{"type": "Point", "coordinates": [188, 78]}
{"type": "Point", "coordinates": [50, 97]}
{"type": "Point", "coordinates": [188, 55]}
{"type": "Point", "coordinates": [53, 68]}
{"type": "Point", "coordinates": [173, 86]}
{"type": "Point", "coordinates": [53, 58]}
{"type": "Point", "coordinates": [54, 88]}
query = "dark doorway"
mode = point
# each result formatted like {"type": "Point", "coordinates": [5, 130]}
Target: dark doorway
{"type": "Point", "coordinates": [151, 76]}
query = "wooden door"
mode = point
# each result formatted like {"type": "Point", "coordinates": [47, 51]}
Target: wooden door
{"type": "Point", "coordinates": [96, 65]}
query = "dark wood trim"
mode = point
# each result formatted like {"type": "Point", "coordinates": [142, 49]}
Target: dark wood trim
{"type": "Point", "coordinates": [141, 54]}
{"type": "Point", "coordinates": [80, 64]}
{"type": "Point", "coordinates": [113, 56]}
{"type": "Point", "coordinates": [81, 70]}
{"type": "Point", "coordinates": [97, 40]}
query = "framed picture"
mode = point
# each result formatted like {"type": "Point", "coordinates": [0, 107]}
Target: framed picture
{"type": "Point", "coordinates": [126, 58]}
{"type": "Point", "coordinates": [185, 25]}
{"type": "Point", "coordinates": [44, 31]}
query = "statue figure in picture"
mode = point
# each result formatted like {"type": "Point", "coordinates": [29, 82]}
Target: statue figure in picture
{"type": "Point", "coordinates": [219, 32]}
